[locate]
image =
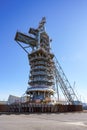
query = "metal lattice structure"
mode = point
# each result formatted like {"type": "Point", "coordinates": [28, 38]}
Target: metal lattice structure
{"type": "Point", "coordinates": [44, 67]}
{"type": "Point", "coordinates": [64, 84]}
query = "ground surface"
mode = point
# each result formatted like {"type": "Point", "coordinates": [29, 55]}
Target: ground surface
{"type": "Point", "coordinates": [59, 121]}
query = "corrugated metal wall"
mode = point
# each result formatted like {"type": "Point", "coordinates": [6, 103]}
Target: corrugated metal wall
{"type": "Point", "coordinates": [4, 108]}
{"type": "Point", "coordinates": [31, 108]}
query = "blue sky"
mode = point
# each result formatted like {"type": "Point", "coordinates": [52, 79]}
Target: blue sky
{"type": "Point", "coordinates": [66, 25]}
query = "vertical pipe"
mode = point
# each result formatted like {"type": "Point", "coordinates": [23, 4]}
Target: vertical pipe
{"type": "Point", "coordinates": [57, 89]}
{"type": "Point", "coordinates": [39, 39]}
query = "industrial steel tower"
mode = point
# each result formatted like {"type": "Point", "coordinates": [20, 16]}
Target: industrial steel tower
{"type": "Point", "coordinates": [45, 70]}
{"type": "Point", "coordinates": [41, 79]}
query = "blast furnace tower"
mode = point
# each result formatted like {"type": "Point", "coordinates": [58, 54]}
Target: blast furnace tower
{"type": "Point", "coordinates": [45, 70]}
{"type": "Point", "coordinates": [41, 79]}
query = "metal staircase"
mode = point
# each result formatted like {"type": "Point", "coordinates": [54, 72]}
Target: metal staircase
{"type": "Point", "coordinates": [63, 83]}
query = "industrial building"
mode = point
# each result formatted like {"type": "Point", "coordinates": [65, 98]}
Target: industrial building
{"type": "Point", "coordinates": [45, 75]}
{"type": "Point", "coordinates": [45, 70]}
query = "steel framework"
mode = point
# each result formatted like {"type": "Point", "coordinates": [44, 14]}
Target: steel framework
{"type": "Point", "coordinates": [44, 73]}
{"type": "Point", "coordinates": [63, 83]}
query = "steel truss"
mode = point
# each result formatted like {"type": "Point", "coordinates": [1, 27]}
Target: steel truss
{"type": "Point", "coordinates": [63, 83]}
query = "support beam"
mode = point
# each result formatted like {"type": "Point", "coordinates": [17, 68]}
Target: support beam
{"type": "Point", "coordinates": [25, 39]}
